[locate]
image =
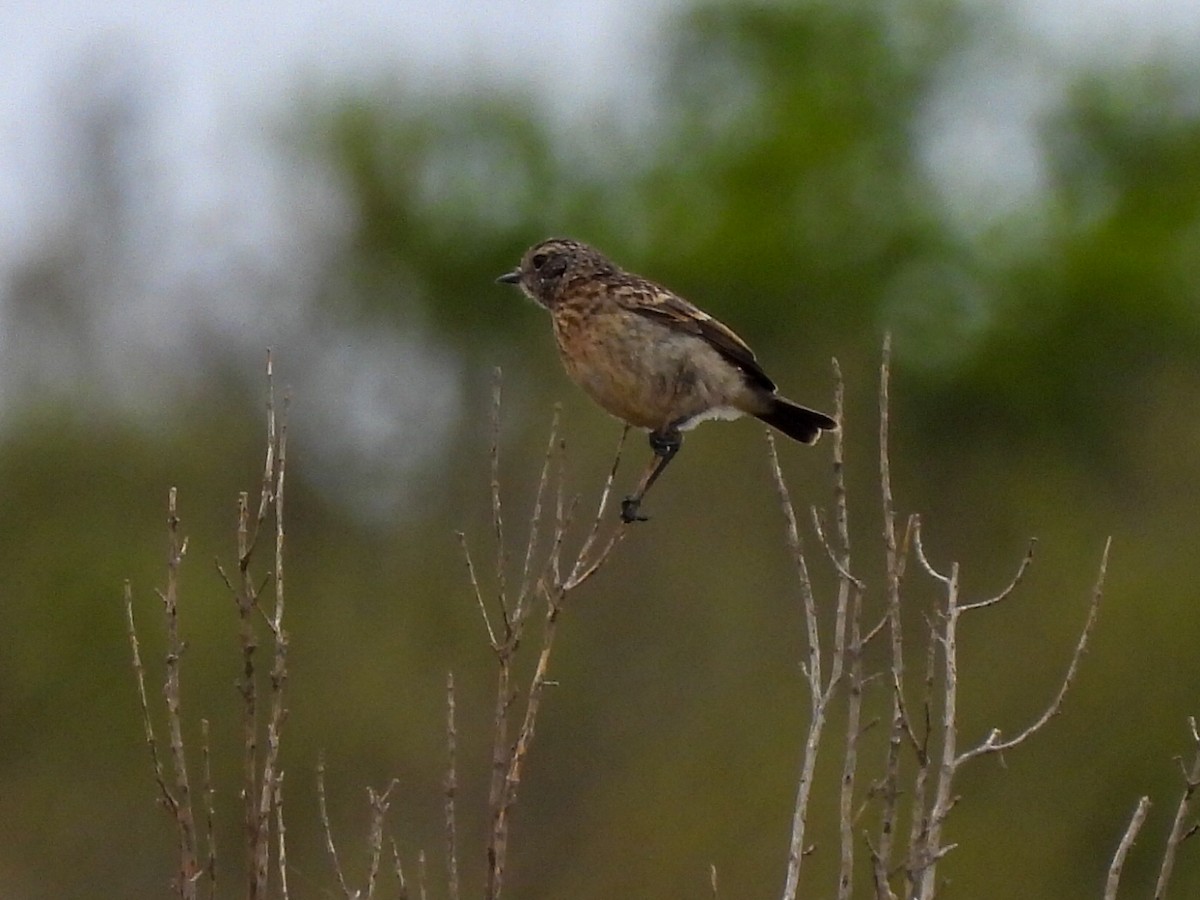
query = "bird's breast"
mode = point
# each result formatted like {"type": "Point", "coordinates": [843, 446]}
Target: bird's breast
{"type": "Point", "coordinates": [643, 372]}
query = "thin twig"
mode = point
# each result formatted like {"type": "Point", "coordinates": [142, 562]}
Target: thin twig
{"type": "Point", "coordinates": [402, 891]}
{"type": "Point", "coordinates": [818, 693]}
{"type": "Point", "coordinates": [246, 601]}
{"type": "Point", "coordinates": [838, 565]}
{"type": "Point", "coordinates": [993, 742]}
{"type": "Point", "coordinates": [281, 834]}
{"type": "Point", "coordinates": [535, 518]}
{"type": "Point", "coordinates": [278, 712]}
{"type": "Point", "coordinates": [466, 550]}
{"type": "Point", "coordinates": [497, 509]}
{"type": "Point", "coordinates": [508, 759]}
{"type": "Point", "coordinates": [166, 797]}
{"type": "Point", "coordinates": [889, 786]}
{"type": "Point", "coordinates": [1012, 585]}
{"type": "Point", "coordinates": [1180, 830]}
{"type": "Point", "coordinates": [210, 812]}
{"type": "Point", "coordinates": [919, 852]}
{"type": "Point", "coordinates": [451, 792]}
{"type": "Point", "coordinates": [1113, 883]}
{"type": "Point", "coordinates": [268, 476]}
{"type": "Point", "coordinates": [188, 864]}
{"type": "Point", "coordinates": [521, 606]}
{"type": "Point", "coordinates": [328, 829]}
{"type": "Point", "coordinates": [925, 856]}
{"type": "Point", "coordinates": [605, 493]}
{"type": "Point", "coordinates": [379, 807]}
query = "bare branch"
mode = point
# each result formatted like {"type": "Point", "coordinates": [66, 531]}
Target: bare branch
{"type": "Point", "coordinates": [894, 573]}
{"type": "Point", "coordinates": [819, 528]}
{"type": "Point", "coordinates": [922, 558]}
{"type": "Point", "coordinates": [1012, 585]}
{"type": "Point", "coordinates": [849, 641]}
{"type": "Point", "coordinates": [811, 629]}
{"type": "Point", "coordinates": [1179, 828]}
{"type": "Point", "coordinates": [328, 829]}
{"type": "Point", "coordinates": [993, 742]}
{"type": "Point", "coordinates": [536, 517]}
{"type": "Point", "coordinates": [924, 857]}
{"type": "Point", "coordinates": [508, 759]}
{"type": "Point", "coordinates": [210, 812]}
{"type": "Point", "coordinates": [264, 498]}
{"type": "Point", "coordinates": [497, 511]}
{"type": "Point", "coordinates": [587, 565]}
{"type": "Point", "coordinates": [451, 792]}
{"type": "Point", "coordinates": [188, 865]}
{"type": "Point", "coordinates": [270, 765]}
{"type": "Point", "coordinates": [165, 796]}
{"type": "Point", "coordinates": [281, 834]}
{"type": "Point", "coordinates": [402, 891]}
{"type": "Point", "coordinates": [466, 550]}
{"type": "Point", "coordinates": [379, 807]}
{"type": "Point", "coordinates": [813, 672]}
{"type": "Point", "coordinates": [1118, 861]}
{"type": "Point", "coordinates": [246, 600]}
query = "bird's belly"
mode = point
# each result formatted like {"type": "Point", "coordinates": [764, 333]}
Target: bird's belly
{"type": "Point", "coordinates": [651, 377]}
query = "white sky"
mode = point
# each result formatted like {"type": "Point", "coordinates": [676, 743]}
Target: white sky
{"type": "Point", "coordinates": [216, 63]}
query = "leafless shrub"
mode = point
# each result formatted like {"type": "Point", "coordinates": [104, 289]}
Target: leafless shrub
{"type": "Point", "coordinates": [545, 583]}
{"type": "Point", "coordinates": [262, 777]}
{"type": "Point", "coordinates": [923, 786]}
{"type": "Point", "coordinates": [918, 742]}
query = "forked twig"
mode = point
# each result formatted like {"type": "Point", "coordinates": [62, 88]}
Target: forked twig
{"type": "Point", "coordinates": [993, 743]}
{"type": "Point", "coordinates": [551, 588]}
{"type": "Point", "coordinates": [846, 640]}
{"type": "Point", "coordinates": [1180, 829]}
{"type": "Point", "coordinates": [925, 856]}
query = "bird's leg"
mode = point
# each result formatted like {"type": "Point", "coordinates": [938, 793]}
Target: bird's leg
{"type": "Point", "coordinates": [665, 444]}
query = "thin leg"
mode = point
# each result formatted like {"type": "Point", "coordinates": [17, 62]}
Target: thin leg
{"type": "Point", "coordinates": [665, 444]}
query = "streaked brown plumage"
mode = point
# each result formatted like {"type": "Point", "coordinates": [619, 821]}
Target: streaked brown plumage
{"type": "Point", "coordinates": [648, 356]}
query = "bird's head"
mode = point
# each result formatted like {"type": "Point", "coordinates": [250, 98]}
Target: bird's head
{"type": "Point", "coordinates": [547, 267]}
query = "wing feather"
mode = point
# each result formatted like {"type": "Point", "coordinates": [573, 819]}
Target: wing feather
{"type": "Point", "coordinates": [675, 312]}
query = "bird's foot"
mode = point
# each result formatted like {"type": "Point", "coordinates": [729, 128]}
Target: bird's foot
{"type": "Point", "coordinates": [629, 510]}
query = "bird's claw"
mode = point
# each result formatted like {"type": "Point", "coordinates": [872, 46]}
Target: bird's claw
{"type": "Point", "coordinates": [629, 510]}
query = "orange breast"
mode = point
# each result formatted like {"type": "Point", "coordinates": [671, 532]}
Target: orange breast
{"type": "Point", "coordinates": [641, 371]}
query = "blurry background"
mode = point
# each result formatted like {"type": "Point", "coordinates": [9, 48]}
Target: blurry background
{"type": "Point", "coordinates": [1012, 189]}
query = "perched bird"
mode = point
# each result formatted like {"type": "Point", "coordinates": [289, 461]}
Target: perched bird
{"type": "Point", "coordinates": [648, 356]}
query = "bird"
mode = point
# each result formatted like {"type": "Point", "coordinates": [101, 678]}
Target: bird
{"type": "Point", "coordinates": [649, 357]}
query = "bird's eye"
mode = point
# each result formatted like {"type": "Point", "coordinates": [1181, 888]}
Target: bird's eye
{"type": "Point", "coordinates": [539, 260]}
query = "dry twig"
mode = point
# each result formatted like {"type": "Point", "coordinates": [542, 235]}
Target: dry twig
{"type": "Point", "coordinates": [451, 792]}
{"type": "Point", "coordinates": [1113, 881]}
{"type": "Point", "coordinates": [1180, 829]}
{"type": "Point", "coordinates": [551, 587]}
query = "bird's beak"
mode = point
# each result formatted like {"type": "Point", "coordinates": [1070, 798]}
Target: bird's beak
{"type": "Point", "coordinates": [513, 277]}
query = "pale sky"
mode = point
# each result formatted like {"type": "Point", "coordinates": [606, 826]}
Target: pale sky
{"type": "Point", "coordinates": [215, 64]}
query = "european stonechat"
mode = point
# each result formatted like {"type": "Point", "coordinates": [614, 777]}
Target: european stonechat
{"type": "Point", "coordinates": [648, 356]}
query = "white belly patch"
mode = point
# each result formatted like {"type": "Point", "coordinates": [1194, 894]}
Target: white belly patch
{"type": "Point", "coordinates": [717, 412]}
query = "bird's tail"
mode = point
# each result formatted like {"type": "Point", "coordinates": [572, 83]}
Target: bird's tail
{"type": "Point", "coordinates": [797, 422]}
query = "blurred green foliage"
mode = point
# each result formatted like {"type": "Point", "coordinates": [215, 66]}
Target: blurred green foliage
{"type": "Point", "coordinates": [1042, 387]}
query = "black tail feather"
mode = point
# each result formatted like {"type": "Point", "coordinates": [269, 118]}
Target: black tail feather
{"type": "Point", "coordinates": [797, 422]}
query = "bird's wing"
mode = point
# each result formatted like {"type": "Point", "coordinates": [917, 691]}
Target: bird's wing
{"type": "Point", "coordinates": [673, 311]}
